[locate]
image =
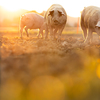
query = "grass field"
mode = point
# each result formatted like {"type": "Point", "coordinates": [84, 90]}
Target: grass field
{"type": "Point", "coordinates": [16, 29]}
{"type": "Point", "coordinates": [39, 69]}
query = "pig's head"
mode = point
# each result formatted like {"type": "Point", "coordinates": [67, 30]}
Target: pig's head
{"type": "Point", "coordinates": [57, 17]}
{"type": "Point", "coordinates": [24, 18]}
{"type": "Point", "coordinates": [97, 28]}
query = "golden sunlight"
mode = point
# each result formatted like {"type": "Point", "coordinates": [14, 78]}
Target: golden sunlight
{"type": "Point", "coordinates": [13, 9]}
{"type": "Point", "coordinates": [14, 6]}
{"type": "Point", "coordinates": [73, 7]}
{"type": "Point", "coordinates": [10, 8]}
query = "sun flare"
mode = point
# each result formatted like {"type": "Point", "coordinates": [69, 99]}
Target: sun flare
{"type": "Point", "coordinates": [73, 7]}
{"type": "Point", "coordinates": [12, 5]}
{"type": "Point", "coordinates": [11, 8]}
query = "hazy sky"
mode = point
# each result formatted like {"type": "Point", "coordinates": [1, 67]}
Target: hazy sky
{"type": "Point", "coordinates": [72, 7]}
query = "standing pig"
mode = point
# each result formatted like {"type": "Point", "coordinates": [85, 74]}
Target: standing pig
{"type": "Point", "coordinates": [55, 20]}
{"type": "Point", "coordinates": [31, 21]}
{"type": "Point", "coordinates": [90, 20]}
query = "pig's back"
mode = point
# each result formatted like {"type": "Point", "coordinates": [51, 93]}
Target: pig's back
{"type": "Point", "coordinates": [90, 15]}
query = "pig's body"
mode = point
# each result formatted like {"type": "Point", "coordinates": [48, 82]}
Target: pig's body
{"type": "Point", "coordinates": [55, 20]}
{"type": "Point", "coordinates": [31, 21]}
{"type": "Point", "coordinates": [90, 20]}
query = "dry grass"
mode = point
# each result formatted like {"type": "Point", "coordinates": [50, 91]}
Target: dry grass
{"type": "Point", "coordinates": [38, 69]}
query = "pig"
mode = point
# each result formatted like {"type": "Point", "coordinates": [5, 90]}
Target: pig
{"type": "Point", "coordinates": [90, 20]}
{"type": "Point", "coordinates": [31, 21]}
{"type": "Point", "coordinates": [55, 20]}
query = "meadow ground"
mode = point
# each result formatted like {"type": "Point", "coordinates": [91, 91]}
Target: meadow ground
{"type": "Point", "coordinates": [39, 69]}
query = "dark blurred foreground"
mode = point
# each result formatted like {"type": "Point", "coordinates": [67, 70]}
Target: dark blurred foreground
{"type": "Point", "coordinates": [37, 69]}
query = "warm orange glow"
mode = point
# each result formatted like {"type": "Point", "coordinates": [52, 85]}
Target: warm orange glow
{"type": "Point", "coordinates": [98, 71]}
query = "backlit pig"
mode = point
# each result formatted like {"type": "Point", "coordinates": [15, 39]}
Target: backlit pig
{"type": "Point", "coordinates": [55, 20]}
{"type": "Point", "coordinates": [31, 21]}
{"type": "Point", "coordinates": [90, 20]}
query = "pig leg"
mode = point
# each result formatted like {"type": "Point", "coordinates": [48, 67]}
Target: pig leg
{"type": "Point", "coordinates": [51, 33]}
{"type": "Point", "coordinates": [84, 31]}
{"type": "Point", "coordinates": [55, 32]}
{"type": "Point", "coordinates": [89, 36]}
{"type": "Point", "coordinates": [40, 32]}
{"type": "Point", "coordinates": [26, 29]}
{"type": "Point", "coordinates": [21, 30]}
{"type": "Point", "coordinates": [59, 33]}
{"type": "Point", "coordinates": [46, 31]}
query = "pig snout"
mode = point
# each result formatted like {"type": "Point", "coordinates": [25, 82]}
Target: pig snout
{"type": "Point", "coordinates": [56, 21]}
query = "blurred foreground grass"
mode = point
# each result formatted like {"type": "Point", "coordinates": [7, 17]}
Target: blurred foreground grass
{"type": "Point", "coordinates": [38, 69]}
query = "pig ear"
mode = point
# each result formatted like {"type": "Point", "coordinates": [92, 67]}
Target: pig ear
{"type": "Point", "coordinates": [51, 12]}
{"type": "Point", "coordinates": [98, 24]}
{"type": "Point", "coordinates": [60, 13]}
{"type": "Point", "coordinates": [22, 16]}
